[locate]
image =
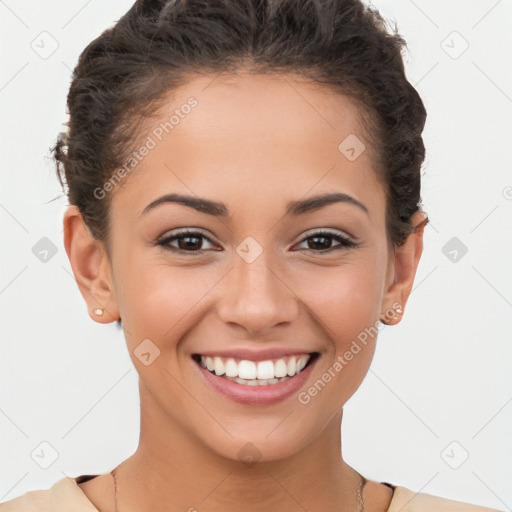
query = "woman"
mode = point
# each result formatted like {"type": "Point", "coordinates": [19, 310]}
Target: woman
{"type": "Point", "coordinates": [244, 188]}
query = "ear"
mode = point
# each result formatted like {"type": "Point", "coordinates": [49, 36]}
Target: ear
{"type": "Point", "coordinates": [91, 267]}
{"type": "Point", "coordinates": [402, 270]}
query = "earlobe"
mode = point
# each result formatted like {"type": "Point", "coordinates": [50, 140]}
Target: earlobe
{"type": "Point", "coordinates": [91, 267]}
{"type": "Point", "coordinates": [406, 260]}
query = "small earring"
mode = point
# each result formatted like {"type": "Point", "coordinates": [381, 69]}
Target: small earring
{"type": "Point", "coordinates": [98, 311]}
{"type": "Point", "coordinates": [398, 310]}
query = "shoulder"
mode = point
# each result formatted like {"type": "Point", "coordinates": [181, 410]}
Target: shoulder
{"type": "Point", "coordinates": [63, 496]}
{"type": "Point", "coordinates": [406, 500]}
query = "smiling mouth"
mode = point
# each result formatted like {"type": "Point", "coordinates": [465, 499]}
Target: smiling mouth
{"type": "Point", "coordinates": [256, 373]}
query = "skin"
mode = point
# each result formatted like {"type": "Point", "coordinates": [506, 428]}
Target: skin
{"type": "Point", "coordinates": [254, 142]}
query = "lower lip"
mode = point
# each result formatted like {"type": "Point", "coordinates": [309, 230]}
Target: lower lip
{"type": "Point", "coordinates": [256, 395]}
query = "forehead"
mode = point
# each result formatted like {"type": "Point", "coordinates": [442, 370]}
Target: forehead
{"type": "Point", "coordinates": [273, 107]}
{"type": "Point", "coordinates": [246, 136]}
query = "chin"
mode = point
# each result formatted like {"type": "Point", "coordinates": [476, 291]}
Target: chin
{"type": "Point", "coordinates": [266, 444]}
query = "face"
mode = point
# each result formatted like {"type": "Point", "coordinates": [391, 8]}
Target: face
{"type": "Point", "coordinates": [251, 279]}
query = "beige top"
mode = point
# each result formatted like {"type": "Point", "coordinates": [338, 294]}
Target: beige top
{"type": "Point", "coordinates": [66, 496]}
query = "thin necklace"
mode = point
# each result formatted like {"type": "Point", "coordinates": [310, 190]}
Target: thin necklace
{"type": "Point", "coordinates": [360, 501]}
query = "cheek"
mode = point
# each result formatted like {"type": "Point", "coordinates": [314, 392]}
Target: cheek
{"type": "Point", "coordinates": [161, 302]}
{"type": "Point", "coordinates": [345, 299]}
{"type": "Point", "coordinates": [345, 305]}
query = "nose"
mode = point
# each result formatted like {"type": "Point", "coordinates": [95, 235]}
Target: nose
{"type": "Point", "coordinates": [256, 297]}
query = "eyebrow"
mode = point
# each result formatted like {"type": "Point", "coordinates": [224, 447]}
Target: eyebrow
{"type": "Point", "coordinates": [293, 208]}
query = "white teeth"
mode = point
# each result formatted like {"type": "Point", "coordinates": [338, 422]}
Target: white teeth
{"type": "Point", "coordinates": [255, 373]}
{"type": "Point", "coordinates": [259, 382]}
{"type": "Point", "coordinates": [231, 368]}
{"type": "Point", "coordinates": [280, 369]}
{"type": "Point", "coordinates": [302, 362]}
{"type": "Point", "coordinates": [292, 366]}
{"type": "Point", "coordinates": [265, 370]}
{"type": "Point", "coordinates": [246, 369]}
{"type": "Point", "coordinates": [219, 366]}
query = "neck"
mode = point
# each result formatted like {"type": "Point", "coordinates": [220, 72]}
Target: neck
{"type": "Point", "coordinates": [173, 470]}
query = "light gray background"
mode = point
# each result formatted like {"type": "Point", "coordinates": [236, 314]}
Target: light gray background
{"type": "Point", "coordinates": [440, 386]}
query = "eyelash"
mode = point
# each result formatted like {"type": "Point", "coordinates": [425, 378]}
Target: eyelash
{"type": "Point", "coordinates": [345, 242]}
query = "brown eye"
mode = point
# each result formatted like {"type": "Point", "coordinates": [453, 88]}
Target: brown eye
{"type": "Point", "coordinates": [322, 242]}
{"type": "Point", "coordinates": [188, 241]}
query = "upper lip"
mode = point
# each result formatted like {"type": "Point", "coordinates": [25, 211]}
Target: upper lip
{"type": "Point", "coordinates": [255, 355]}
